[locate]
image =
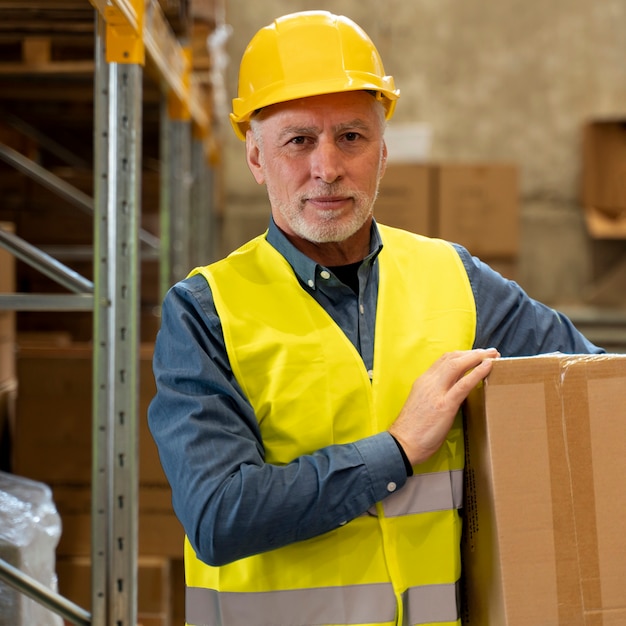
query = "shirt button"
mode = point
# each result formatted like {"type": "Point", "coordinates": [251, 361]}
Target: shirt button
{"type": "Point", "coordinates": [342, 523]}
{"type": "Point", "coordinates": [310, 283]}
{"type": "Point", "coordinates": [325, 274]}
{"type": "Point", "coordinates": [370, 373]}
{"type": "Point", "coordinates": [391, 486]}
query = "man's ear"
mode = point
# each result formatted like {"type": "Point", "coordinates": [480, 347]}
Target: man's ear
{"type": "Point", "coordinates": [383, 161]}
{"type": "Point", "coordinates": [253, 157]}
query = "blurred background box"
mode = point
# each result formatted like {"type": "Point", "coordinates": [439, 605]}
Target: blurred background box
{"type": "Point", "coordinates": [472, 204]}
{"type": "Point", "coordinates": [477, 205]}
{"type": "Point", "coordinates": [7, 318]}
{"type": "Point", "coordinates": [153, 586]}
{"type": "Point", "coordinates": [604, 178]}
{"type": "Point", "coordinates": [405, 198]}
{"type": "Point", "coordinates": [52, 439]}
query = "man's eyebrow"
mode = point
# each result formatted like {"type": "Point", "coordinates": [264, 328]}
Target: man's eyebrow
{"type": "Point", "coordinates": [295, 130]}
{"type": "Point", "coordinates": [355, 123]}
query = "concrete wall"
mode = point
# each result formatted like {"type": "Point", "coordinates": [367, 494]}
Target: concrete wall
{"type": "Point", "coordinates": [507, 80]}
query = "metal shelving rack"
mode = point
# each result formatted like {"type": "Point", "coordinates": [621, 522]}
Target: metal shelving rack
{"type": "Point", "coordinates": [126, 32]}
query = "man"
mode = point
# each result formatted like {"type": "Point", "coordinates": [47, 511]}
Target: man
{"type": "Point", "coordinates": [309, 385]}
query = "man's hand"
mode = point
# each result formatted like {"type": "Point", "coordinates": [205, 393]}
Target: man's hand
{"type": "Point", "coordinates": [435, 398]}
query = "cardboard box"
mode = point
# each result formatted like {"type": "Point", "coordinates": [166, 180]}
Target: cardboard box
{"type": "Point", "coordinates": [8, 396]}
{"type": "Point", "coordinates": [177, 569]}
{"type": "Point", "coordinates": [544, 540]}
{"type": "Point", "coordinates": [152, 620]}
{"type": "Point", "coordinates": [160, 532]}
{"type": "Point", "coordinates": [7, 263]}
{"type": "Point", "coordinates": [405, 198]}
{"type": "Point", "coordinates": [7, 318]}
{"type": "Point", "coordinates": [7, 346]}
{"type": "Point", "coordinates": [153, 586]}
{"type": "Point", "coordinates": [604, 178]}
{"type": "Point", "coordinates": [475, 205]}
{"type": "Point", "coordinates": [52, 441]}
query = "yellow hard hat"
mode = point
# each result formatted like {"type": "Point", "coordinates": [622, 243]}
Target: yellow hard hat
{"type": "Point", "coordinates": [308, 54]}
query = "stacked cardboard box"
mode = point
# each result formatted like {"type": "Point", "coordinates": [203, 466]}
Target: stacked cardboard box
{"type": "Point", "coordinates": [475, 205]}
{"type": "Point", "coordinates": [153, 586]}
{"type": "Point", "coordinates": [7, 318]}
{"type": "Point", "coordinates": [545, 505]}
{"type": "Point", "coordinates": [603, 198]}
{"type": "Point", "coordinates": [8, 380]}
{"type": "Point", "coordinates": [604, 178]}
{"type": "Point", "coordinates": [54, 225]}
{"type": "Point", "coordinates": [52, 442]}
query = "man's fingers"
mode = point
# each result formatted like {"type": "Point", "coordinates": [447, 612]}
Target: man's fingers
{"type": "Point", "coordinates": [460, 363]}
{"type": "Point", "coordinates": [473, 367]}
{"type": "Point", "coordinates": [477, 373]}
{"type": "Point", "coordinates": [435, 398]}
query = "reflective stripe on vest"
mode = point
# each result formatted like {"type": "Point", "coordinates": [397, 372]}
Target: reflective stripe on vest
{"type": "Point", "coordinates": [358, 604]}
{"type": "Point", "coordinates": [424, 493]}
{"type": "Point", "coordinates": [432, 604]}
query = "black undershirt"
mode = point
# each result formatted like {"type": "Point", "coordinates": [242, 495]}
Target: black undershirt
{"type": "Point", "coordinates": [348, 275]}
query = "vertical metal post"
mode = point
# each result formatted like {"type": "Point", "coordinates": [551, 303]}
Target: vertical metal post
{"type": "Point", "coordinates": [165, 201]}
{"type": "Point", "coordinates": [118, 97]}
{"type": "Point", "coordinates": [177, 169]}
{"type": "Point", "coordinates": [202, 208]}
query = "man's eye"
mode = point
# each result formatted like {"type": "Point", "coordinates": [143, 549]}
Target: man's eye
{"type": "Point", "coordinates": [351, 136]}
{"type": "Point", "coordinates": [297, 140]}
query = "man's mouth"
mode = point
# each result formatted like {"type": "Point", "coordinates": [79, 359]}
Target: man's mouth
{"type": "Point", "coordinates": [328, 202]}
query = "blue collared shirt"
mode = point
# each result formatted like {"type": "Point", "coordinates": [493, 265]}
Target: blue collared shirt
{"type": "Point", "coordinates": [230, 502]}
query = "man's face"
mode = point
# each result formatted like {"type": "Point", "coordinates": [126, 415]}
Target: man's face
{"type": "Point", "coordinates": [321, 159]}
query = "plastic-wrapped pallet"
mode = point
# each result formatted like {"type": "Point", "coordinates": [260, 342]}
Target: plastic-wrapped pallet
{"type": "Point", "coordinates": [30, 528]}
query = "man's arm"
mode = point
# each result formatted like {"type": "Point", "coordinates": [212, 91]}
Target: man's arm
{"type": "Point", "coordinates": [513, 322]}
{"type": "Point", "coordinates": [230, 502]}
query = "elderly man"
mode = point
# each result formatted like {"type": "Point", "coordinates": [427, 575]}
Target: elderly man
{"type": "Point", "coordinates": [309, 385]}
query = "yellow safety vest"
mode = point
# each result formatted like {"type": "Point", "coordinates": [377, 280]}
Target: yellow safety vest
{"type": "Point", "coordinates": [397, 564]}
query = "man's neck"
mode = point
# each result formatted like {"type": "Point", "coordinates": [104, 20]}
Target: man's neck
{"type": "Point", "coordinates": [333, 254]}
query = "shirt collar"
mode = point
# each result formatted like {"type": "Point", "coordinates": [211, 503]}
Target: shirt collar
{"type": "Point", "coordinates": [305, 268]}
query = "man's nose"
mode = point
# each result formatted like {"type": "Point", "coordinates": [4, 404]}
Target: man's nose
{"type": "Point", "coordinates": [327, 162]}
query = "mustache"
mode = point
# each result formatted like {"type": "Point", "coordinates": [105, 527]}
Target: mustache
{"type": "Point", "coordinates": [333, 190]}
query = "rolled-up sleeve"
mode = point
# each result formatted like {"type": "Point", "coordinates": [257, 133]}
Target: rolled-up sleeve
{"type": "Point", "coordinates": [230, 502]}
